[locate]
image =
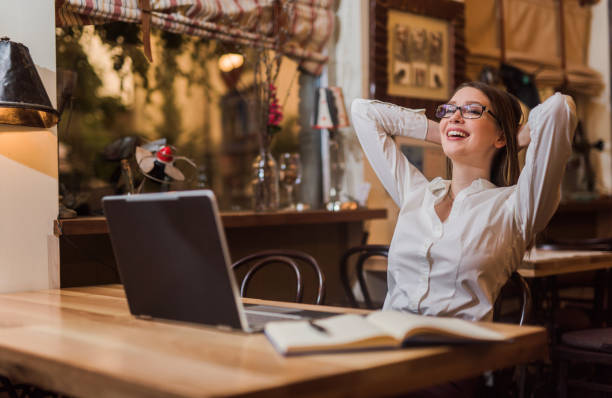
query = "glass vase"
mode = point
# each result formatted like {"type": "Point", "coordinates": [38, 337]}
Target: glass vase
{"type": "Point", "coordinates": [265, 183]}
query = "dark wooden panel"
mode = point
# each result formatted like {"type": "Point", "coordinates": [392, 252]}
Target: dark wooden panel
{"type": "Point", "coordinates": [580, 220]}
{"type": "Point", "coordinates": [87, 259]}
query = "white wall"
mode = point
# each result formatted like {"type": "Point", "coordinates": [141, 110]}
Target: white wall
{"type": "Point", "coordinates": [29, 253]}
{"type": "Point", "coordinates": [347, 68]}
{"type": "Point", "coordinates": [598, 110]}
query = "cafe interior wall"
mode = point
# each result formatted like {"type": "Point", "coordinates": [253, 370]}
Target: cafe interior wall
{"type": "Point", "coordinates": [597, 112]}
{"type": "Point", "coordinates": [29, 252]}
{"type": "Point", "coordinates": [198, 132]}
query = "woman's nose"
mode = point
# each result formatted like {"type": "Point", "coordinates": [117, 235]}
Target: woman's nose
{"type": "Point", "coordinates": [457, 116]}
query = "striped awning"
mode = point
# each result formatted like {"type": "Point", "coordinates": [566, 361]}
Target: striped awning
{"type": "Point", "coordinates": [306, 24]}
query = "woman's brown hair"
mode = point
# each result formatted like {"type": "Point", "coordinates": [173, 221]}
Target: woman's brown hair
{"type": "Point", "coordinates": [505, 165]}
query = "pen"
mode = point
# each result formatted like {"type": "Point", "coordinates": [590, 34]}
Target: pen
{"type": "Point", "coordinates": [318, 327]}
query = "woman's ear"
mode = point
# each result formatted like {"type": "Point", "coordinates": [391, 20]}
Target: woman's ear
{"type": "Point", "coordinates": [500, 142]}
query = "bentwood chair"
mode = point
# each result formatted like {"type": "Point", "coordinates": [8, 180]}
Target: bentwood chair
{"type": "Point", "coordinates": [590, 351]}
{"type": "Point", "coordinates": [515, 289]}
{"type": "Point", "coordinates": [354, 259]}
{"type": "Point", "coordinates": [292, 259]}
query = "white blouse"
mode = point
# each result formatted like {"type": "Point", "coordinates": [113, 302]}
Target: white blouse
{"type": "Point", "coordinates": [457, 267]}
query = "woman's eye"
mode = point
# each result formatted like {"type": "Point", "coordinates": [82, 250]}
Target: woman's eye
{"type": "Point", "coordinates": [472, 110]}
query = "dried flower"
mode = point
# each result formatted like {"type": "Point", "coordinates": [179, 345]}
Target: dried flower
{"type": "Point", "coordinates": [275, 113]}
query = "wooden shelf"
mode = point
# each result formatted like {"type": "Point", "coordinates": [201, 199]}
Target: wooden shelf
{"type": "Point", "coordinates": [97, 225]}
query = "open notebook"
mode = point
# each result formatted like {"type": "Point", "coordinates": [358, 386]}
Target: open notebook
{"type": "Point", "coordinates": [380, 329]}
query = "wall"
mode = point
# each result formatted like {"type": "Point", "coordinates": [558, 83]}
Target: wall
{"type": "Point", "coordinates": [347, 68]}
{"type": "Point", "coordinates": [598, 114]}
{"type": "Point", "coordinates": [29, 253]}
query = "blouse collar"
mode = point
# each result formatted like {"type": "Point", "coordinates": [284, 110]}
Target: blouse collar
{"type": "Point", "coordinates": [439, 187]}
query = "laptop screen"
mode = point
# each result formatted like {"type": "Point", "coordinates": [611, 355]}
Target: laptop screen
{"type": "Point", "coordinates": [172, 257]}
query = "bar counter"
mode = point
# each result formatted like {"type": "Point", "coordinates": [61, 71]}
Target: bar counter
{"type": "Point", "coordinates": [86, 256]}
{"type": "Point", "coordinates": [246, 219]}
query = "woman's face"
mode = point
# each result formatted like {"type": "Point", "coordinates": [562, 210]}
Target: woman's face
{"type": "Point", "coordinates": [471, 141]}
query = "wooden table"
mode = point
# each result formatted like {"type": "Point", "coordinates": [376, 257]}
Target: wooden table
{"type": "Point", "coordinates": [83, 342]}
{"type": "Point", "coordinates": [542, 267]}
{"type": "Point", "coordinates": [541, 263]}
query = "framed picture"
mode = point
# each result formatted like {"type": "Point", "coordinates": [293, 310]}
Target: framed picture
{"type": "Point", "coordinates": [417, 51]}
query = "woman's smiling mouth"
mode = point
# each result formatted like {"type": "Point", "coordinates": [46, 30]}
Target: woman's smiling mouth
{"type": "Point", "coordinates": [456, 133]}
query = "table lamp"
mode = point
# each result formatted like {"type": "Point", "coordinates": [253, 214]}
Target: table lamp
{"type": "Point", "coordinates": [23, 99]}
{"type": "Point", "coordinates": [330, 114]}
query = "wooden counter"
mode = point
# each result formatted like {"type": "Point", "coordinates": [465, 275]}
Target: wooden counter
{"type": "Point", "coordinates": [97, 225]}
{"type": "Point", "coordinates": [86, 256]}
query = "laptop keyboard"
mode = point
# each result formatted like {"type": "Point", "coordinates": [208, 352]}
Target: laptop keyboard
{"type": "Point", "coordinates": [257, 319]}
{"type": "Point", "coordinates": [259, 315]}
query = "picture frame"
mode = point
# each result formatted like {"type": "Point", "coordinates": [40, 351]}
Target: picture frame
{"type": "Point", "coordinates": [417, 51]}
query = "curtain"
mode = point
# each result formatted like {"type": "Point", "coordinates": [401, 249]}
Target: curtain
{"type": "Point", "coordinates": [305, 25]}
{"type": "Point", "coordinates": [533, 40]}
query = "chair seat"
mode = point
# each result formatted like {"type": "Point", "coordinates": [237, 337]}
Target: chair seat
{"type": "Point", "coordinates": [599, 340]}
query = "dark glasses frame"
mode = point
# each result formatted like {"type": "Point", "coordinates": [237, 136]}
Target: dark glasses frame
{"type": "Point", "coordinates": [447, 110]}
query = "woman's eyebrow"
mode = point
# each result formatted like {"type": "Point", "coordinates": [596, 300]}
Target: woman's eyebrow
{"type": "Point", "coordinates": [465, 103]}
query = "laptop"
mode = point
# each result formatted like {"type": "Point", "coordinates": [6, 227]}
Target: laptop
{"type": "Point", "coordinates": [174, 264]}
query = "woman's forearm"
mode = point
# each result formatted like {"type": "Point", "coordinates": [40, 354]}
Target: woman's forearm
{"type": "Point", "coordinates": [433, 132]}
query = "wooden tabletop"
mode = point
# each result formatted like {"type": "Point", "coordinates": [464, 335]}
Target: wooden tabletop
{"type": "Point", "coordinates": [84, 342]}
{"type": "Point", "coordinates": [540, 263]}
{"type": "Point", "coordinates": [97, 225]}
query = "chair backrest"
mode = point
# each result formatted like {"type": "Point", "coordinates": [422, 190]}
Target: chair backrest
{"type": "Point", "coordinates": [516, 287]}
{"type": "Point", "coordinates": [358, 256]}
{"type": "Point", "coordinates": [293, 259]}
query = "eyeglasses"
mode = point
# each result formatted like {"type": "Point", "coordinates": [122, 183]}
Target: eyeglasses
{"type": "Point", "coordinates": [468, 111]}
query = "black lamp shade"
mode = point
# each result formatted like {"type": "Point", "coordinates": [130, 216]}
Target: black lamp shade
{"type": "Point", "coordinates": [23, 99]}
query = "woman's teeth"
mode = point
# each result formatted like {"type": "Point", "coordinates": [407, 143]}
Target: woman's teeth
{"type": "Point", "coordinates": [456, 133]}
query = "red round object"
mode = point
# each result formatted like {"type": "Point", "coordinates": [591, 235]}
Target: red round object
{"type": "Point", "coordinates": [165, 154]}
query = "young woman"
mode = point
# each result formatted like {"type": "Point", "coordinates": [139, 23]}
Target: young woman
{"type": "Point", "coordinates": [457, 241]}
